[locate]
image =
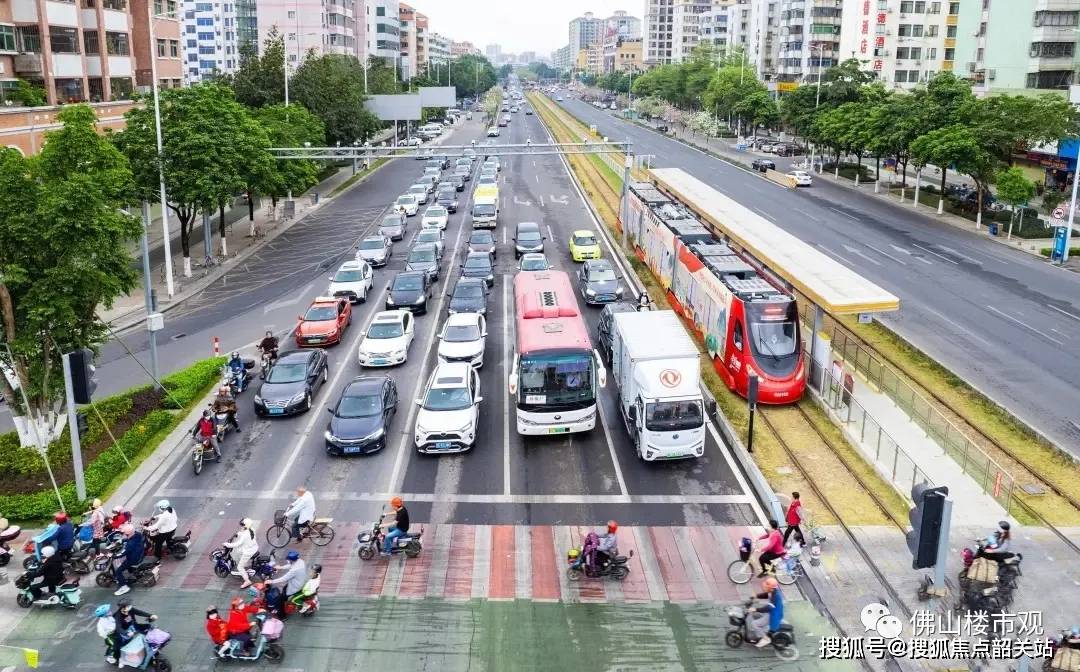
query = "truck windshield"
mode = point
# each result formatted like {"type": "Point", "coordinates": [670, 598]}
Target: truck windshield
{"type": "Point", "coordinates": [673, 416]}
{"type": "Point", "coordinates": [483, 210]}
{"type": "Point", "coordinates": [564, 380]}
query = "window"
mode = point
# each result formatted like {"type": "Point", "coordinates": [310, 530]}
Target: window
{"type": "Point", "coordinates": [65, 41]}
{"type": "Point", "coordinates": [1055, 19]}
{"type": "Point", "coordinates": [206, 51]}
{"type": "Point", "coordinates": [931, 53]}
{"type": "Point", "coordinates": [174, 48]}
{"type": "Point", "coordinates": [980, 53]}
{"type": "Point", "coordinates": [204, 7]}
{"type": "Point", "coordinates": [950, 31]}
{"type": "Point", "coordinates": [901, 75]}
{"type": "Point", "coordinates": [292, 14]}
{"type": "Point", "coordinates": [28, 39]}
{"type": "Point", "coordinates": [950, 54]}
{"type": "Point", "coordinates": [1050, 79]}
{"type": "Point", "coordinates": [7, 38]}
{"type": "Point", "coordinates": [204, 21]}
{"type": "Point", "coordinates": [191, 44]}
{"type": "Point", "coordinates": [90, 42]}
{"type": "Point", "coordinates": [1051, 49]}
{"type": "Point", "coordinates": [160, 48]}
{"type": "Point", "coordinates": [189, 29]}
{"type": "Point", "coordinates": [918, 7]}
{"type": "Point", "coordinates": [737, 336]}
{"type": "Point", "coordinates": [910, 30]}
{"type": "Point", "coordinates": [116, 44]}
{"type": "Point", "coordinates": [380, 11]}
{"type": "Point", "coordinates": [206, 37]}
{"type": "Point", "coordinates": [935, 8]}
{"type": "Point", "coordinates": [954, 8]}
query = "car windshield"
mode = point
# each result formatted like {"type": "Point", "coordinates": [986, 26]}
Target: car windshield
{"type": "Point", "coordinates": [428, 236]}
{"type": "Point", "coordinates": [481, 238]}
{"type": "Point", "coordinates": [371, 244]}
{"type": "Point", "coordinates": [321, 313]}
{"type": "Point", "coordinates": [528, 236]}
{"type": "Point", "coordinates": [558, 379]}
{"type": "Point", "coordinates": [287, 372]}
{"type": "Point", "coordinates": [386, 330]}
{"type": "Point", "coordinates": [672, 416]}
{"type": "Point", "coordinates": [403, 200]}
{"type": "Point", "coordinates": [461, 333]}
{"type": "Point", "coordinates": [469, 291]}
{"type": "Point", "coordinates": [601, 275]}
{"type": "Point", "coordinates": [392, 220]}
{"type": "Point", "coordinates": [447, 399]}
{"type": "Point", "coordinates": [478, 262]}
{"type": "Point", "coordinates": [426, 254]}
{"type": "Point", "coordinates": [349, 276]}
{"type": "Point", "coordinates": [359, 406]}
{"type": "Point", "coordinates": [487, 179]}
{"type": "Point", "coordinates": [533, 264]}
{"type": "Point", "coordinates": [584, 240]}
{"type": "Point", "coordinates": [435, 212]}
{"type": "Point", "coordinates": [407, 283]}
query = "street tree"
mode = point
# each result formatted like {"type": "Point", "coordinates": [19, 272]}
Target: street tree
{"type": "Point", "coordinates": [331, 86]}
{"type": "Point", "coordinates": [291, 126]}
{"type": "Point", "coordinates": [1015, 190]}
{"type": "Point", "coordinates": [953, 147]}
{"type": "Point", "coordinates": [210, 145]}
{"type": "Point", "coordinates": [260, 79]}
{"type": "Point", "coordinates": [64, 251]}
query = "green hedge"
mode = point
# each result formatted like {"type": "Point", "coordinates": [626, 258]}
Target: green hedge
{"type": "Point", "coordinates": [186, 387]}
{"type": "Point", "coordinates": [1073, 251]}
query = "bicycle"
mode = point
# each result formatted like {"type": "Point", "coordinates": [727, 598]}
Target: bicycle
{"type": "Point", "coordinates": [786, 569]}
{"type": "Point", "coordinates": [280, 534]}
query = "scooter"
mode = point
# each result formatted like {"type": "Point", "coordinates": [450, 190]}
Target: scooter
{"type": "Point", "coordinates": [783, 640]}
{"type": "Point", "coordinates": [616, 567]}
{"type": "Point", "coordinates": [67, 595]}
{"type": "Point", "coordinates": [177, 547]}
{"type": "Point", "coordinates": [143, 574]}
{"type": "Point", "coordinates": [261, 566]}
{"type": "Point", "coordinates": [203, 450]}
{"type": "Point", "coordinates": [78, 560]}
{"type": "Point", "coordinates": [149, 657]}
{"type": "Point", "coordinates": [266, 361]}
{"type": "Point", "coordinates": [237, 381]}
{"type": "Point", "coordinates": [372, 542]}
{"type": "Point", "coordinates": [7, 533]}
{"type": "Point", "coordinates": [268, 644]}
{"type": "Point", "coordinates": [221, 426]}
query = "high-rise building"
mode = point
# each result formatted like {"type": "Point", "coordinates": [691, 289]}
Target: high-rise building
{"type": "Point", "coordinates": [617, 28]}
{"type": "Point", "coordinates": [493, 52]}
{"type": "Point", "coordinates": [439, 48]}
{"type": "Point", "coordinates": [319, 26]}
{"type": "Point", "coordinates": [563, 58]}
{"type": "Point", "coordinates": [902, 42]}
{"type": "Point", "coordinates": [714, 29]}
{"type": "Point", "coordinates": [672, 29]}
{"type": "Point", "coordinates": [97, 52]}
{"type": "Point", "coordinates": [624, 55]}
{"type": "Point", "coordinates": [527, 57]}
{"type": "Point", "coordinates": [808, 42]}
{"type": "Point", "coordinates": [211, 40]}
{"type": "Point", "coordinates": [382, 30]}
{"type": "Point", "coordinates": [585, 31]}
{"type": "Point", "coordinates": [464, 48]}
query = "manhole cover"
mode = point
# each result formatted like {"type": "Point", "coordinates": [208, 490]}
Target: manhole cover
{"type": "Point", "coordinates": [177, 337]}
{"type": "Point", "coordinates": [1034, 489]}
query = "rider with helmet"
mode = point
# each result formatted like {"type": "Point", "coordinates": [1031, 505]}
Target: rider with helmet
{"type": "Point", "coordinates": [126, 625]}
{"type": "Point", "coordinates": [997, 546]}
{"type": "Point", "coordinates": [767, 616]}
{"type": "Point", "coordinates": [65, 533]}
{"type": "Point", "coordinates": [51, 573]}
{"type": "Point", "coordinates": [293, 579]}
{"type": "Point", "coordinates": [162, 526]}
{"type": "Point", "coordinates": [609, 545]}
{"type": "Point", "coordinates": [269, 345]}
{"type": "Point", "coordinates": [244, 547]}
{"type": "Point", "coordinates": [224, 403]}
{"type": "Point", "coordinates": [132, 555]}
{"type": "Point", "coordinates": [396, 528]}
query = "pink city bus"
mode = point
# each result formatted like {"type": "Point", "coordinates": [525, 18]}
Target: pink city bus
{"type": "Point", "coordinates": [556, 372]}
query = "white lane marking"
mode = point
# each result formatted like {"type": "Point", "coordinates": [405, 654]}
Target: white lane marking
{"type": "Point", "coordinates": [900, 249]}
{"type": "Point", "coordinates": [1025, 326]}
{"type": "Point", "coordinates": [939, 256]}
{"type": "Point", "coordinates": [1060, 333]}
{"type": "Point", "coordinates": [1063, 312]}
{"type": "Point", "coordinates": [466, 498]}
{"type": "Point", "coordinates": [561, 200]}
{"type": "Point", "coordinates": [764, 214]}
{"type": "Point", "coordinates": [551, 234]}
{"type": "Point", "coordinates": [841, 212]}
{"type": "Point", "coordinates": [925, 261]}
{"type": "Point", "coordinates": [541, 200]}
{"type": "Point", "coordinates": [962, 256]}
{"type": "Point", "coordinates": [315, 418]}
{"type": "Point", "coordinates": [504, 235]}
{"type": "Point", "coordinates": [288, 302]}
{"type": "Point", "coordinates": [859, 253]}
{"type": "Point", "coordinates": [886, 254]}
{"type": "Point", "coordinates": [405, 445]}
{"type": "Point", "coordinates": [506, 357]}
{"type": "Point", "coordinates": [743, 485]}
{"type": "Point", "coordinates": [806, 214]}
{"type": "Point", "coordinates": [537, 178]}
{"type": "Point", "coordinates": [959, 327]}
{"type": "Point", "coordinates": [838, 256]}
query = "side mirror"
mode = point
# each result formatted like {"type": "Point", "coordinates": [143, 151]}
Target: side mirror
{"type": "Point", "coordinates": [632, 413]}
{"type": "Point", "coordinates": [483, 334]}
{"type": "Point", "coordinates": [299, 318]}
{"type": "Point", "coordinates": [478, 400]}
{"type": "Point", "coordinates": [330, 411]}
{"type": "Point", "coordinates": [418, 401]}
{"type": "Point", "coordinates": [331, 278]}
{"type": "Point", "coordinates": [513, 383]}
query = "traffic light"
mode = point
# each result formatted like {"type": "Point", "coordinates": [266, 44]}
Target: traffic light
{"type": "Point", "coordinates": [926, 520]}
{"type": "Point", "coordinates": [83, 382]}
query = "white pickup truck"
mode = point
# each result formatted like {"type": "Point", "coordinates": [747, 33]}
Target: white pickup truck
{"type": "Point", "coordinates": [657, 370]}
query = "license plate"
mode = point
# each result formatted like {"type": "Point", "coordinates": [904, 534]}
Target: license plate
{"type": "Point", "coordinates": [316, 340]}
{"type": "Point", "coordinates": [364, 538]}
{"type": "Point", "coordinates": [351, 449]}
{"type": "Point", "coordinates": [277, 411]}
{"type": "Point", "coordinates": [379, 360]}
{"type": "Point", "coordinates": [442, 445]}
{"type": "Point", "coordinates": [559, 430]}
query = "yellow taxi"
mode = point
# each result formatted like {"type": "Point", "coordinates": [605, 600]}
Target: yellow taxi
{"type": "Point", "coordinates": [584, 245]}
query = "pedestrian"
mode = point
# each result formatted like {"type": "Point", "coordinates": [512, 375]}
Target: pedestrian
{"type": "Point", "coordinates": [793, 519]}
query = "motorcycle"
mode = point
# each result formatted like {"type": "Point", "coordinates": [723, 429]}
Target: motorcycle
{"type": "Point", "coordinates": [237, 381]}
{"type": "Point", "coordinates": [202, 450]}
{"type": "Point", "coordinates": [266, 361]}
{"type": "Point", "coordinates": [783, 640]}
{"type": "Point", "coordinates": [268, 643]}
{"type": "Point", "coordinates": [615, 567]}
{"type": "Point", "coordinates": [265, 596]}
{"type": "Point", "coordinates": [372, 542]}
{"type": "Point", "coordinates": [67, 595]}
{"type": "Point", "coordinates": [79, 560]}
{"type": "Point", "coordinates": [261, 566]}
{"type": "Point", "coordinates": [7, 533]}
{"type": "Point", "coordinates": [143, 574]}
{"type": "Point", "coordinates": [1064, 652]}
{"type": "Point", "coordinates": [177, 547]}
{"type": "Point", "coordinates": [221, 426]}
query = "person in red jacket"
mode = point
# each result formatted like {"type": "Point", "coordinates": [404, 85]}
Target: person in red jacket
{"type": "Point", "coordinates": [793, 518]}
{"type": "Point", "coordinates": [238, 624]}
{"type": "Point", "coordinates": [216, 627]}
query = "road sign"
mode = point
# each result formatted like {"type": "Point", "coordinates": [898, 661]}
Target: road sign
{"type": "Point", "coordinates": [1059, 213]}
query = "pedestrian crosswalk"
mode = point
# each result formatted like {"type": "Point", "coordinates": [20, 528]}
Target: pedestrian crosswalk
{"type": "Point", "coordinates": [497, 562]}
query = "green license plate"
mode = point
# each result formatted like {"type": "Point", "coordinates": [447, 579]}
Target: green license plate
{"type": "Point", "coordinates": [559, 430]}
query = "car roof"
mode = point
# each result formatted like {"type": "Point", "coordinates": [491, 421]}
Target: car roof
{"type": "Point", "coordinates": [406, 196]}
{"type": "Point", "coordinates": [429, 233]}
{"type": "Point", "coordinates": [471, 281]}
{"type": "Point", "coordinates": [599, 263]}
{"type": "Point", "coordinates": [421, 247]}
{"type": "Point", "coordinates": [584, 232]}
{"type": "Point", "coordinates": [483, 255]}
{"type": "Point", "coordinates": [388, 316]}
{"type": "Point", "coordinates": [481, 232]}
{"type": "Point", "coordinates": [463, 319]}
{"type": "Point", "coordinates": [450, 375]}
{"type": "Point", "coordinates": [411, 274]}
{"type": "Point", "coordinates": [380, 238]}
{"type": "Point", "coordinates": [364, 384]}
{"type": "Point", "coordinates": [534, 255]}
{"type": "Point", "coordinates": [436, 208]}
{"type": "Point", "coordinates": [528, 225]}
{"type": "Point", "coordinates": [620, 307]}
{"type": "Point", "coordinates": [325, 301]}
{"type": "Point", "coordinates": [351, 265]}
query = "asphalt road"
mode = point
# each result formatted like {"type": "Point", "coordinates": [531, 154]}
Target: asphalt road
{"type": "Point", "coordinates": [1001, 319]}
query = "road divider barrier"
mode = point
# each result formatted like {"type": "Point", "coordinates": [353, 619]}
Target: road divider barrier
{"type": "Point", "coordinates": [782, 179]}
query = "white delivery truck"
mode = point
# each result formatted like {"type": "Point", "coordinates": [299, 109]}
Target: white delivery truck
{"type": "Point", "coordinates": [485, 209]}
{"type": "Point", "coordinates": [657, 370]}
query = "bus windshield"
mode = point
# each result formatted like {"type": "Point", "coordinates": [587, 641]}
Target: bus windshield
{"type": "Point", "coordinates": [483, 210]}
{"type": "Point", "coordinates": [673, 416]}
{"type": "Point", "coordinates": [564, 379]}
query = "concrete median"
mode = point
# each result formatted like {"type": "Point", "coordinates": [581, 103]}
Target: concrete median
{"type": "Point", "coordinates": [781, 178]}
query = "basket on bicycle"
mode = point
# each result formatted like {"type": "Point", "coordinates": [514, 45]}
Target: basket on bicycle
{"type": "Point", "coordinates": [279, 517]}
{"type": "Point", "coordinates": [745, 548]}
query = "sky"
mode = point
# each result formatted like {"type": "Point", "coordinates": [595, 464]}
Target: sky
{"type": "Point", "coordinates": [518, 25]}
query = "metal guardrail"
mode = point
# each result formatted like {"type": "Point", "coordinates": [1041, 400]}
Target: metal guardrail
{"type": "Point", "coordinates": [990, 476]}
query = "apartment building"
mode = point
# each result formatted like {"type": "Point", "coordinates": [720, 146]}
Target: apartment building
{"type": "Point", "coordinates": [1009, 45]}
{"type": "Point", "coordinates": [414, 40]}
{"type": "Point", "coordinates": [808, 40]}
{"type": "Point", "coordinates": [585, 31]}
{"type": "Point", "coordinates": [463, 48]}
{"type": "Point", "coordinates": [714, 29]}
{"type": "Point", "coordinates": [672, 28]}
{"type": "Point", "coordinates": [439, 48]}
{"type": "Point", "coordinates": [322, 26]}
{"type": "Point", "coordinates": [561, 58]}
{"type": "Point", "coordinates": [903, 42]}
{"type": "Point", "coordinates": [591, 59]}
{"type": "Point", "coordinates": [210, 39]}
{"type": "Point", "coordinates": [624, 55]}
{"type": "Point", "coordinates": [382, 30]}
{"type": "Point", "coordinates": [97, 50]}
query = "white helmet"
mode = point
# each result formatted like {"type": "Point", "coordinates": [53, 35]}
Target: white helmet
{"type": "Point", "coordinates": [163, 504]}
{"type": "Point", "coordinates": [48, 552]}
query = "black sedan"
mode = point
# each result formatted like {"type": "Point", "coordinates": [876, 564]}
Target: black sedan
{"type": "Point", "coordinates": [478, 265]}
{"type": "Point", "coordinates": [410, 291]}
{"type": "Point", "coordinates": [470, 296]}
{"type": "Point", "coordinates": [448, 200]}
{"type": "Point", "coordinates": [360, 420]}
{"type": "Point", "coordinates": [291, 383]}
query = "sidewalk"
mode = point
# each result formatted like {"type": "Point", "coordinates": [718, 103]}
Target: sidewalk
{"type": "Point", "coordinates": [130, 310]}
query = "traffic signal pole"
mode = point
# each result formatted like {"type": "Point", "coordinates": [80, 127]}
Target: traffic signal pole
{"type": "Point", "coordinates": [73, 430]}
{"type": "Point", "coordinates": [943, 544]}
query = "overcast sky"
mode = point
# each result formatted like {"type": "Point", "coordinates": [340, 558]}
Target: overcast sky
{"type": "Point", "coordinates": [518, 25]}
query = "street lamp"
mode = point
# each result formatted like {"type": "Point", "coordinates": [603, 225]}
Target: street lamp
{"type": "Point", "coordinates": [169, 288]}
{"type": "Point", "coordinates": [817, 101]}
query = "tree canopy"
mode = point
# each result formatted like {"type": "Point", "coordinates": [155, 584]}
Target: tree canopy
{"type": "Point", "coordinates": [331, 86]}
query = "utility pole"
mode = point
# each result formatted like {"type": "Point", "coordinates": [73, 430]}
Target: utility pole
{"type": "Point", "coordinates": [153, 318]}
{"type": "Point", "coordinates": [169, 288]}
{"type": "Point", "coordinates": [624, 202]}
{"type": "Point", "coordinates": [1072, 211]}
{"type": "Point", "coordinates": [73, 428]}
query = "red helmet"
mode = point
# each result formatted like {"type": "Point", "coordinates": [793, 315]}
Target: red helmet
{"type": "Point", "coordinates": [60, 518]}
{"type": "Point", "coordinates": [612, 526]}
{"type": "Point", "coordinates": [397, 502]}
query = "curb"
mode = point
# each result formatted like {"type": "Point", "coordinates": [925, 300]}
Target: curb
{"type": "Point", "coordinates": [124, 322]}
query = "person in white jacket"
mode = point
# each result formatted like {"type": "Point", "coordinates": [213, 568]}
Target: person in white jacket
{"type": "Point", "coordinates": [301, 511]}
{"type": "Point", "coordinates": [244, 547]}
{"type": "Point", "coordinates": [162, 526]}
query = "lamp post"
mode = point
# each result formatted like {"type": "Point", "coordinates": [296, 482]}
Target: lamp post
{"type": "Point", "coordinates": [1072, 210]}
{"type": "Point", "coordinates": [169, 288]}
{"type": "Point", "coordinates": [817, 101]}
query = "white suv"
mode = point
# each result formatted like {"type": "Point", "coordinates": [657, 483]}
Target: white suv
{"type": "Point", "coordinates": [449, 410]}
{"type": "Point", "coordinates": [353, 280]}
{"type": "Point", "coordinates": [387, 339]}
{"type": "Point", "coordinates": [463, 339]}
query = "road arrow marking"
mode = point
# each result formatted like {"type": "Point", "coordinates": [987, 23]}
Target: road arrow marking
{"type": "Point", "coordinates": [520, 202]}
{"type": "Point", "coordinates": [886, 254]}
{"type": "Point", "coordinates": [857, 252]}
{"type": "Point", "coordinates": [901, 249]}
{"type": "Point", "coordinates": [288, 302]}
{"type": "Point", "coordinates": [561, 200]}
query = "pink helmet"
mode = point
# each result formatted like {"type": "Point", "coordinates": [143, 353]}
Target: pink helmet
{"type": "Point", "coordinates": [127, 529]}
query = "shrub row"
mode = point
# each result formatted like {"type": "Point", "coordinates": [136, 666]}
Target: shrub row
{"type": "Point", "coordinates": [186, 386]}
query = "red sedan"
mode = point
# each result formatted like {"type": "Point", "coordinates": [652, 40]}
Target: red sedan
{"type": "Point", "coordinates": [324, 322]}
